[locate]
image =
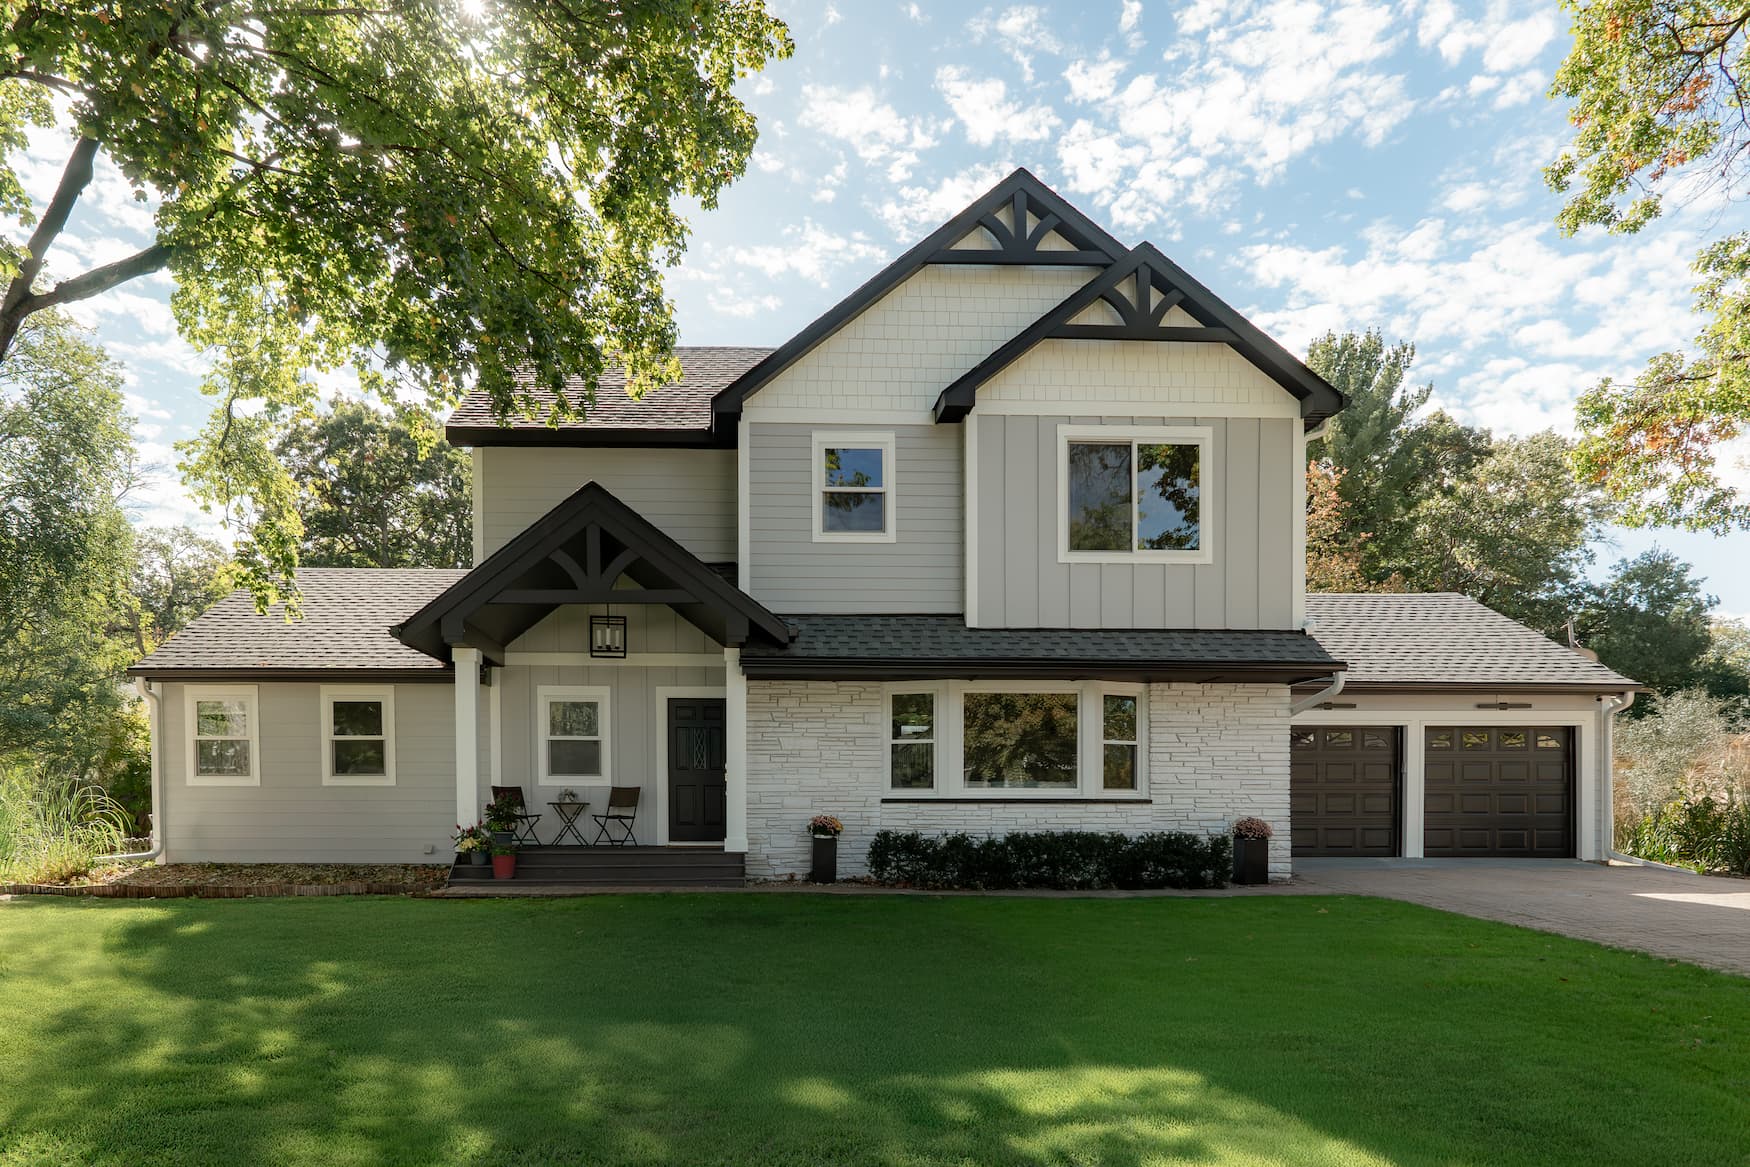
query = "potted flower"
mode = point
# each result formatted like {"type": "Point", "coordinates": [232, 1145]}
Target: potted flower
{"type": "Point", "coordinates": [1252, 851]}
{"type": "Point", "coordinates": [503, 860]}
{"type": "Point", "coordinates": [568, 795]}
{"type": "Point", "coordinates": [501, 820]}
{"type": "Point", "coordinates": [825, 831]}
{"type": "Point", "coordinates": [474, 842]}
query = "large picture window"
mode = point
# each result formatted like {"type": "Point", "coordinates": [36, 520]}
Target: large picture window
{"type": "Point", "coordinates": [572, 731]}
{"type": "Point", "coordinates": [223, 736]}
{"type": "Point", "coordinates": [1024, 741]}
{"type": "Point", "coordinates": [1133, 494]}
{"type": "Point", "coordinates": [358, 736]}
{"type": "Point", "coordinates": [853, 487]}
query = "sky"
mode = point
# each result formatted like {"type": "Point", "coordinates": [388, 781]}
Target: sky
{"type": "Point", "coordinates": [1320, 165]}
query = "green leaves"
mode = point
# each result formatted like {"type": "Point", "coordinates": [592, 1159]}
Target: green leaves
{"type": "Point", "coordinates": [434, 195]}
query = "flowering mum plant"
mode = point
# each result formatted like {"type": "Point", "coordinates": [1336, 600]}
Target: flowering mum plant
{"type": "Point", "coordinates": [1251, 828]}
{"type": "Point", "coordinates": [825, 826]}
{"type": "Point", "coordinates": [472, 838]}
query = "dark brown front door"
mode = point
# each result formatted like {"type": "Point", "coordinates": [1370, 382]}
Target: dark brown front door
{"type": "Point", "coordinates": [1499, 790]}
{"type": "Point", "coordinates": [1343, 790]}
{"type": "Point", "coordinates": [695, 769]}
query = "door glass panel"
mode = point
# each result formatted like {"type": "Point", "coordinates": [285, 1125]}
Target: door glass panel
{"type": "Point", "coordinates": [1475, 739]}
{"type": "Point", "coordinates": [1375, 739]}
{"type": "Point", "coordinates": [1547, 740]}
{"type": "Point", "coordinates": [1513, 739]}
{"type": "Point", "coordinates": [1440, 739]}
{"type": "Point", "coordinates": [1339, 739]}
{"type": "Point", "coordinates": [1301, 739]}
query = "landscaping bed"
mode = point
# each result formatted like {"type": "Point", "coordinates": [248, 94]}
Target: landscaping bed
{"type": "Point", "coordinates": [239, 880]}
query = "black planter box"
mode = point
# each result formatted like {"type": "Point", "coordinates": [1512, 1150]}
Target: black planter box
{"type": "Point", "coordinates": [1251, 861]}
{"type": "Point", "coordinates": [826, 860]}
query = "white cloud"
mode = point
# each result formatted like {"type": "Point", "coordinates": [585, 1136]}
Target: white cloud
{"type": "Point", "coordinates": [1022, 31]}
{"type": "Point", "coordinates": [809, 251]}
{"type": "Point", "coordinates": [987, 114]}
{"type": "Point", "coordinates": [916, 208]}
{"type": "Point", "coordinates": [727, 302]}
{"type": "Point", "coordinates": [871, 127]}
{"type": "Point", "coordinates": [1130, 21]}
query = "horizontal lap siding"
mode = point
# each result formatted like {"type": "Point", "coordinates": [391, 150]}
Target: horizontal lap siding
{"type": "Point", "coordinates": [1216, 753]}
{"type": "Point", "coordinates": [292, 817]}
{"type": "Point", "coordinates": [688, 494]}
{"type": "Point", "coordinates": [920, 572]}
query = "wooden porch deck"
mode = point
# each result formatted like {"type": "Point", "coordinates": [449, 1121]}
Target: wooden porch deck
{"type": "Point", "coordinates": [542, 868]}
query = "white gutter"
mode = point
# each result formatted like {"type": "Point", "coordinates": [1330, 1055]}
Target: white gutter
{"type": "Point", "coordinates": [153, 697]}
{"type": "Point", "coordinates": [1609, 706]}
{"type": "Point", "coordinates": [1323, 695]}
{"type": "Point", "coordinates": [1318, 431]}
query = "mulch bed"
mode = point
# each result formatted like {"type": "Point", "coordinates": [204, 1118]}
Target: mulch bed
{"type": "Point", "coordinates": [240, 880]}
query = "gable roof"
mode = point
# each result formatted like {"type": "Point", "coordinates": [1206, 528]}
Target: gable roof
{"type": "Point", "coordinates": [1442, 641]}
{"type": "Point", "coordinates": [344, 631]}
{"type": "Point", "coordinates": [1159, 286]}
{"type": "Point", "coordinates": [1021, 193]}
{"type": "Point", "coordinates": [577, 553]}
{"type": "Point", "coordinates": [676, 414]}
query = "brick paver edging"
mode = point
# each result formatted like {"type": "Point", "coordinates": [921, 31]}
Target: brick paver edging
{"type": "Point", "coordinates": [215, 891]}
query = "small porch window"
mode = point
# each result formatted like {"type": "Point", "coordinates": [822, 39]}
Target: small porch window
{"type": "Point", "coordinates": [222, 736]}
{"type": "Point", "coordinates": [573, 733]}
{"type": "Point", "coordinates": [358, 736]}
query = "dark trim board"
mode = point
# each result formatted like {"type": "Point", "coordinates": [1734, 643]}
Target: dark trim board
{"type": "Point", "coordinates": [638, 439]}
{"type": "Point", "coordinates": [767, 668]}
{"type": "Point", "coordinates": [399, 676]}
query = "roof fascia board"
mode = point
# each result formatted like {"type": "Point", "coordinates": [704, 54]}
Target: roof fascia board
{"type": "Point", "coordinates": [646, 439]}
{"type": "Point", "coordinates": [911, 669]}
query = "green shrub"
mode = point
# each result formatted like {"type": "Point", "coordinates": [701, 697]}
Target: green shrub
{"type": "Point", "coordinates": [51, 827]}
{"type": "Point", "coordinates": [1704, 833]}
{"type": "Point", "coordinates": [1072, 860]}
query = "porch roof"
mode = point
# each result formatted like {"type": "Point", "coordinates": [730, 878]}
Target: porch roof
{"type": "Point", "coordinates": [905, 648]}
{"type": "Point", "coordinates": [590, 549]}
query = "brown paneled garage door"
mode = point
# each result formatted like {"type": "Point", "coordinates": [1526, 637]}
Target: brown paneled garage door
{"type": "Point", "coordinates": [1343, 790]}
{"type": "Point", "coordinates": [1499, 790]}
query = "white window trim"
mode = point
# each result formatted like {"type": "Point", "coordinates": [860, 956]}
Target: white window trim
{"type": "Point", "coordinates": [250, 695]}
{"type": "Point", "coordinates": [382, 693]}
{"type": "Point", "coordinates": [882, 440]}
{"type": "Point", "coordinates": [951, 741]}
{"type": "Point", "coordinates": [1202, 436]}
{"type": "Point", "coordinates": [596, 693]}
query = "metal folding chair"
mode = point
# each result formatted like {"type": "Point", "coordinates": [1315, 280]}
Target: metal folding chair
{"type": "Point", "coordinates": [615, 827]}
{"type": "Point", "coordinates": [525, 822]}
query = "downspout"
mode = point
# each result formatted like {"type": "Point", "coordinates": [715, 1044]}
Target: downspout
{"type": "Point", "coordinates": [1323, 695]}
{"type": "Point", "coordinates": [1318, 431]}
{"type": "Point", "coordinates": [153, 697]}
{"type": "Point", "coordinates": [1608, 707]}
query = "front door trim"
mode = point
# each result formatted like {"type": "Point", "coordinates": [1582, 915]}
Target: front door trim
{"type": "Point", "coordinates": [659, 727]}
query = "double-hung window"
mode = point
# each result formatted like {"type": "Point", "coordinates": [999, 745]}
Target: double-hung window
{"type": "Point", "coordinates": [223, 736]}
{"type": "Point", "coordinates": [572, 731]}
{"type": "Point", "coordinates": [853, 488]}
{"type": "Point", "coordinates": [1133, 494]}
{"type": "Point", "coordinates": [911, 744]}
{"type": "Point", "coordinates": [358, 736]}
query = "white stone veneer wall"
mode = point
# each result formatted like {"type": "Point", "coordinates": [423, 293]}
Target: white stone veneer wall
{"type": "Point", "coordinates": [1215, 753]}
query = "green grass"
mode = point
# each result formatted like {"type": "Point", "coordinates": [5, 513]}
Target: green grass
{"type": "Point", "coordinates": [794, 1029]}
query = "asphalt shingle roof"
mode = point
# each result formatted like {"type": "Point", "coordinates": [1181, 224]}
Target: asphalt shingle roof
{"type": "Point", "coordinates": [1445, 639]}
{"type": "Point", "coordinates": [684, 405]}
{"type": "Point", "coordinates": [345, 626]}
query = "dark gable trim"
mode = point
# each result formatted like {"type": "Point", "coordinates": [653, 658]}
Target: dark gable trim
{"type": "Point", "coordinates": [642, 439]}
{"type": "Point", "coordinates": [1021, 191]}
{"type": "Point", "coordinates": [326, 676]}
{"type": "Point", "coordinates": [1140, 315]}
{"type": "Point", "coordinates": [778, 668]}
{"type": "Point", "coordinates": [495, 602]}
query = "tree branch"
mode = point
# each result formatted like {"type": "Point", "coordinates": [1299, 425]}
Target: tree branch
{"type": "Point", "coordinates": [81, 287]}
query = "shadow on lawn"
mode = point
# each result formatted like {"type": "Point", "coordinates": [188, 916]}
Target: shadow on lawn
{"type": "Point", "coordinates": [698, 1030]}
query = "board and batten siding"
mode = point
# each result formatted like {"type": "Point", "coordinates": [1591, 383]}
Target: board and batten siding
{"type": "Point", "coordinates": [1250, 511]}
{"type": "Point", "coordinates": [921, 571]}
{"type": "Point", "coordinates": [291, 817]}
{"type": "Point", "coordinates": [689, 494]}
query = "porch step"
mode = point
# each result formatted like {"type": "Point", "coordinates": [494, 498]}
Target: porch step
{"type": "Point", "coordinates": [614, 867]}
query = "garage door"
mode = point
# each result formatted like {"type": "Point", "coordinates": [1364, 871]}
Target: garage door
{"type": "Point", "coordinates": [1499, 790]}
{"type": "Point", "coordinates": [1343, 791]}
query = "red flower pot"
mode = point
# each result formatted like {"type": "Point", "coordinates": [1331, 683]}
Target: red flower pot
{"type": "Point", "coordinates": [504, 867]}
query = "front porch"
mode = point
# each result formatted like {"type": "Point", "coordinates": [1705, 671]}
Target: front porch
{"type": "Point", "coordinates": [545, 868]}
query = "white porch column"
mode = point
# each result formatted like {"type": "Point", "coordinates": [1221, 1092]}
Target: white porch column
{"type": "Point", "coordinates": [735, 752]}
{"type": "Point", "coordinates": [467, 661]}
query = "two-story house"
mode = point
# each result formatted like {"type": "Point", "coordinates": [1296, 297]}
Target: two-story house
{"type": "Point", "coordinates": [1011, 538]}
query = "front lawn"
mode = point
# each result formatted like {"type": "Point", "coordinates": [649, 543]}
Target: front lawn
{"type": "Point", "coordinates": [799, 1029]}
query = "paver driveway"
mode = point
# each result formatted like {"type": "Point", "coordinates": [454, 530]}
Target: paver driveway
{"type": "Point", "coordinates": [1697, 918]}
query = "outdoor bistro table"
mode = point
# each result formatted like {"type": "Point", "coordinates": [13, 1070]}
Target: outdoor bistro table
{"type": "Point", "coordinates": [569, 813]}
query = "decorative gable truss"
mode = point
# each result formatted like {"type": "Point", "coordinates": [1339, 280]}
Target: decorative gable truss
{"type": "Point", "coordinates": [1147, 297]}
{"type": "Point", "coordinates": [1026, 231]}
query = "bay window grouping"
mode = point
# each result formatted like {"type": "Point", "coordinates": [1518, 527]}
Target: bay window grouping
{"type": "Point", "coordinates": [977, 740]}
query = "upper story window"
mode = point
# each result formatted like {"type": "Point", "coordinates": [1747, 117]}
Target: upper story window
{"type": "Point", "coordinates": [358, 736]}
{"type": "Point", "coordinates": [1130, 494]}
{"type": "Point", "coordinates": [223, 736]}
{"type": "Point", "coordinates": [853, 488]}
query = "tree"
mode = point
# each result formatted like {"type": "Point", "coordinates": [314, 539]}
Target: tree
{"type": "Point", "coordinates": [1334, 560]}
{"type": "Point", "coordinates": [66, 553]}
{"type": "Point", "coordinates": [432, 192]}
{"type": "Point", "coordinates": [1650, 621]}
{"type": "Point", "coordinates": [1659, 108]}
{"type": "Point", "coordinates": [178, 574]}
{"type": "Point", "coordinates": [380, 488]}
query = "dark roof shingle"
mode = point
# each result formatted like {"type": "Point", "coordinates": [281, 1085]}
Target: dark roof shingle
{"type": "Point", "coordinates": [1441, 640]}
{"type": "Point", "coordinates": [344, 627]}
{"type": "Point", "coordinates": [682, 407]}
